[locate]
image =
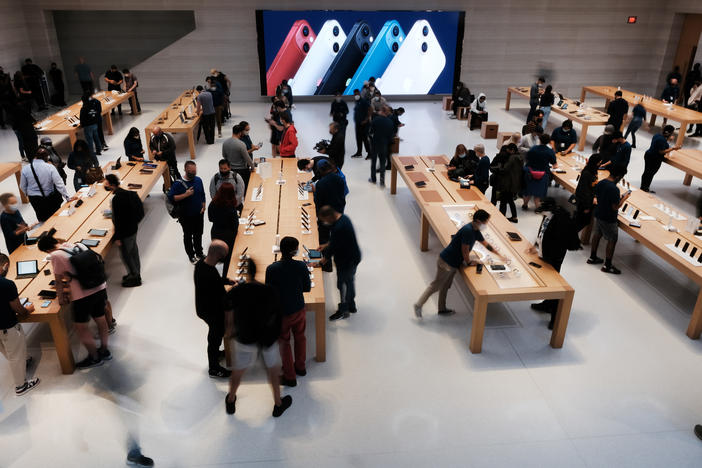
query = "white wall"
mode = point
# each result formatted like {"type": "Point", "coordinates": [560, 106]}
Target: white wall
{"type": "Point", "coordinates": [506, 41]}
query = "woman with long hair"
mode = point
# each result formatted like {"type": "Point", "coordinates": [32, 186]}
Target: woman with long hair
{"type": "Point", "coordinates": [224, 218]}
{"type": "Point", "coordinates": [80, 160]}
{"type": "Point", "coordinates": [133, 148]}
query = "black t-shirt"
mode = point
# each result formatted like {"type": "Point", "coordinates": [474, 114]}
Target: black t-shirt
{"type": "Point", "coordinates": [9, 223]}
{"type": "Point", "coordinates": [290, 278]}
{"type": "Point", "coordinates": [209, 291]}
{"type": "Point", "coordinates": [607, 194]}
{"type": "Point", "coordinates": [114, 76]}
{"type": "Point", "coordinates": [8, 293]}
{"type": "Point", "coordinates": [257, 313]}
{"type": "Point", "coordinates": [343, 245]}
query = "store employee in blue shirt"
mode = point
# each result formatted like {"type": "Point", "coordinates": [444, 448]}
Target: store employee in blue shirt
{"type": "Point", "coordinates": [622, 154]}
{"type": "Point", "coordinates": [654, 156]}
{"type": "Point", "coordinates": [452, 257]}
{"type": "Point", "coordinates": [563, 138]}
{"type": "Point", "coordinates": [188, 195]}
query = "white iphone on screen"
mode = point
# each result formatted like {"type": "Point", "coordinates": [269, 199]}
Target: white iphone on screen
{"type": "Point", "coordinates": [325, 47]}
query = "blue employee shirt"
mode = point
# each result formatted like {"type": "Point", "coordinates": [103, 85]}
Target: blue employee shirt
{"type": "Point", "coordinates": [192, 205]}
{"type": "Point", "coordinates": [607, 194]}
{"type": "Point", "coordinates": [360, 110]}
{"type": "Point", "coordinates": [10, 222]}
{"type": "Point", "coordinates": [622, 155]}
{"type": "Point", "coordinates": [564, 139]}
{"type": "Point", "coordinates": [452, 254]}
{"type": "Point", "coordinates": [482, 174]}
{"type": "Point", "coordinates": [539, 157]}
{"type": "Point", "coordinates": [330, 190]}
{"type": "Point", "coordinates": [343, 246]}
{"type": "Point", "coordinates": [658, 143]}
{"type": "Point", "coordinates": [290, 279]}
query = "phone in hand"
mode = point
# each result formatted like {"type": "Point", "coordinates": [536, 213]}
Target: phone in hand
{"type": "Point", "coordinates": [479, 268]}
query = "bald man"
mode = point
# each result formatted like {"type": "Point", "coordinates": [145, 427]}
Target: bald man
{"type": "Point", "coordinates": [210, 303]}
{"type": "Point", "coordinates": [163, 148]}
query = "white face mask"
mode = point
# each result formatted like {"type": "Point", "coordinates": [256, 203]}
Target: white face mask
{"type": "Point", "coordinates": [482, 227]}
{"type": "Point", "coordinates": [14, 207]}
{"type": "Point", "coordinates": [356, 97]}
{"type": "Point", "coordinates": [462, 155]}
{"type": "Point", "coordinates": [338, 99]}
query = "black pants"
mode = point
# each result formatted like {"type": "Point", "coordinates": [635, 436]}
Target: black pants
{"type": "Point", "coordinates": [228, 237]}
{"type": "Point", "coordinates": [532, 109]}
{"type": "Point", "coordinates": [477, 119]}
{"type": "Point", "coordinates": [651, 166]}
{"type": "Point", "coordinates": [44, 207]}
{"type": "Point", "coordinates": [30, 144]}
{"type": "Point", "coordinates": [507, 198]}
{"type": "Point", "coordinates": [138, 106]}
{"type": "Point", "coordinates": [87, 86]}
{"type": "Point", "coordinates": [362, 138]}
{"type": "Point", "coordinates": [245, 175]}
{"type": "Point", "coordinates": [101, 134]}
{"type": "Point", "coordinates": [323, 232]}
{"type": "Point", "coordinates": [192, 234]}
{"type": "Point", "coordinates": [129, 251]}
{"type": "Point", "coordinates": [380, 153]}
{"type": "Point", "coordinates": [215, 333]}
{"type": "Point", "coordinates": [583, 218]}
{"type": "Point", "coordinates": [172, 165]}
{"type": "Point", "coordinates": [208, 126]}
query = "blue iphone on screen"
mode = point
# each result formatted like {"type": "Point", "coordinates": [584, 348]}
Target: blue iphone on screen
{"type": "Point", "coordinates": [386, 44]}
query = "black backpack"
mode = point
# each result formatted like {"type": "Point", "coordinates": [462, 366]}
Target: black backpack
{"type": "Point", "coordinates": [89, 267]}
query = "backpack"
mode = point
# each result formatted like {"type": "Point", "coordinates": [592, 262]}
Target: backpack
{"type": "Point", "coordinates": [89, 267]}
{"type": "Point", "coordinates": [172, 206]}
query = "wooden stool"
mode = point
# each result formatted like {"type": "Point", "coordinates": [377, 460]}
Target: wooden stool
{"type": "Point", "coordinates": [502, 137]}
{"type": "Point", "coordinates": [463, 113]}
{"type": "Point", "coordinates": [488, 130]}
{"type": "Point", "coordinates": [447, 103]}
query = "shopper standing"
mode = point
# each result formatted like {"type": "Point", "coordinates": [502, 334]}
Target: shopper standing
{"type": "Point", "coordinates": [43, 185]}
{"type": "Point", "coordinates": [188, 195]}
{"type": "Point", "coordinates": [127, 212]}
{"type": "Point", "coordinates": [654, 156]}
{"type": "Point", "coordinates": [206, 110]}
{"type": "Point", "coordinates": [234, 151]}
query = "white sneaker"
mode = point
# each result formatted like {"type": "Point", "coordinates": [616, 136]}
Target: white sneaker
{"type": "Point", "coordinates": [417, 311]}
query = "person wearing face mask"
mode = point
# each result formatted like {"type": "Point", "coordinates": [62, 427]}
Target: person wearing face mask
{"type": "Point", "coordinates": [163, 148]}
{"type": "Point", "coordinates": [285, 90]}
{"type": "Point", "coordinates": [361, 120]}
{"type": "Point", "coordinates": [217, 100]}
{"type": "Point", "coordinates": [207, 112]}
{"type": "Point", "coordinates": [127, 212]}
{"type": "Point", "coordinates": [13, 344]}
{"type": "Point", "coordinates": [54, 157]}
{"type": "Point", "coordinates": [81, 160]}
{"type": "Point", "coordinates": [288, 142]}
{"type": "Point", "coordinates": [14, 227]}
{"type": "Point", "coordinates": [382, 129]}
{"type": "Point", "coordinates": [536, 122]}
{"type": "Point", "coordinates": [654, 156]}
{"type": "Point", "coordinates": [224, 217]}
{"type": "Point", "coordinates": [43, 185]}
{"type": "Point", "coordinates": [234, 151]}
{"type": "Point", "coordinates": [481, 178]}
{"type": "Point", "coordinates": [456, 253]}
{"type": "Point", "coordinates": [478, 112]}
{"type": "Point", "coordinates": [313, 165]}
{"type": "Point", "coordinates": [537, 172]}
{"type": "Point", "coordinates": [564, 138]}
{"type": "Point", "coordinates": [378, 102]}
{"type": "Point", "coordinates": [335, 150]}
{"type": "Point", "coordinates": [343, 249]}
{"type": "Point", "coordinates": [339, 110]}
{"type": "Point", "coordinates": [368, 90]}
{"type": "Point", "coordinates": [463, 163]}
{"type": "Point", "coordinates": [133, 148]}
{"type": "Point", "coordinates": [609, 201]}
{"type": "Point", "coordinates": [210, 303]}
{"type": "Point", "coordinates": [291, 279]}
{"type": "Point", "coordinates": [188, 195]}
{"type": "Point", "coordinates": [226, 175]}
{"type": "Point", "coordinates": [245, 129]}
{"type": "Point", "coordinates": [330, 190]}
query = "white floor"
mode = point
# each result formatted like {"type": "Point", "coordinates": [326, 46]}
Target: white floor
{"type": "Point", "coordinates": [623, 392]}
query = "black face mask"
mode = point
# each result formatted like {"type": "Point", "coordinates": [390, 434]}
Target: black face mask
{"type": "Point", "coordinates": [223, 175]}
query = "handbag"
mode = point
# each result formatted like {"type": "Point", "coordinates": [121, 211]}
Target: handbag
{"type": "Point", "coordinates": [536, 175]}
{"type": "Point", "coordinates": [92, 175]}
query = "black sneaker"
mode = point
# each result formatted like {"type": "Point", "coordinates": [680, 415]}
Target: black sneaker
{"type": "Point", "coordinates": [353, 309]}
{"type": "Point", "coordinates": [105, 354]}
{"type": "Point", "coordinates": [285, 403]}
{"type": "Point", "coordinates": [446, 312]}
{"type": "Point", "coordinates": [594, 260]}
{"type": "Point", "coordinates": [220, 373]}
{"type": "Point", "coordinates": [370, 179]}
{"type": "Point", "coordinates": [338, 315]}
{"type": "Point", "coordinates": [26, 387]}
{"type": "Point", "coordinates": [357, 155]}
{"type": "Point", "coordinates": [611, 269]}
{"type": "Point", "coordinates": [230, 406]}
{"type": "Point", "coordinates": [540, 306]}
{"type": "Point", "coordinates": [132, 282]}
{"type": "Point", "coordinates": [89, 362]}
{"type": "Point", "coordinates": [301, 373]}
{"type": "Point", "coordinates": [139, 460]}
{"type": "Point", "coordinates": [288, 382]}
{"type": "Point", "coordinates": [698, 431]}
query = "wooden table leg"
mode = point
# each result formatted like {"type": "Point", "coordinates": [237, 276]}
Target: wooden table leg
{"type": "Point", "coordinates": [508, 100]}
{"type": "Point", "coordinates": [583, 137]}
{"type": "Point", "coordinates": [132, 102]}
{"type": "Point", "coordinates": [424, 234]}
{"type": "Point", "coordinates": [108, 123]}
{"type": "Point", "coordinates": [695, 328]}
{"type": "Point", "coordinates": [72, 138]}
{"type": "Point", "coordinates": [166, 177]}
{"type": "Point", "coordinates": [652, 122]}
{"type": "Point", "coordinates": [681, 134]}
{"type": "Point", "coordinates": [320, 328]}
{"type": "Point", "coordinates": [191, 144]}
{"type": "Point", "coordinates": [147, 135]}
{"type": "Point", "coordinates": [393, 179]}
{"type": "Point", "coordinates": [23, 196]}
{"type": "Point", "coordinates": [62, 343]}
{"type": "Point", "coordinates": [561, 322]}
{"type": "Point", "coordinates": [582, 95]}
{"type": "Point", "coordinates": [478, 329]}
{"type": "Point", "coordinates": [687, 180]}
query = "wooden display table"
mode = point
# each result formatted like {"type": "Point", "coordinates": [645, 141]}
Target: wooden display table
{"type": "Point", "coordinates": [59, 124]}
{"type": "Point", "coordinates": [170, 120]}
{"type": "Point", "coordinates": [7, 169]}
{"type": "Point", "coordinates": [651, 233]}
{"type": "Point", "coordinates": [280, 208]}
{"type": "Point", "coordinates": [437, 200]}
{"type": "Point", "coordinates": [687, 160]}
{"type": "Point", "coordinates": [653, 106]}
{"type": "Point", "coordinates": [74, 228]}
{"type": "Point", "coordinates": [585, 117]}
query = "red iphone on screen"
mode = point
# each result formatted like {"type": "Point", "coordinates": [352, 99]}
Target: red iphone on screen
{"type": "Point", "coordinates": [290, 55]}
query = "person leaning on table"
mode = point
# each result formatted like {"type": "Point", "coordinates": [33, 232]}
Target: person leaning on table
{"type": "Point", "coordinates": [564, 138]}
{"type": "Point", "coordinates": [13, 344]}
{"type": "Point", "coordinates": [452, 257]}
{"type": "Point", "coordinates": [654, 156]}
{"type": "Point", "coordinates": [43, 185]}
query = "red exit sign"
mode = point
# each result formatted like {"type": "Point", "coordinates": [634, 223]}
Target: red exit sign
{"type": "Point", "coordinates": [631, 20]}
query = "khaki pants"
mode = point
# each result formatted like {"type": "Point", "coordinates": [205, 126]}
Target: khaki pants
{"type": "Point", "coordinates": [442, 282]}
{"type": "Point", "coordinates": [218, 117]}
{"type": "Point", "coordinates": [13, 346]}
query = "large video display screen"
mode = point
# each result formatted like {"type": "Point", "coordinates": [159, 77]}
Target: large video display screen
{"type": "Point", "coordinates": [321, 52]}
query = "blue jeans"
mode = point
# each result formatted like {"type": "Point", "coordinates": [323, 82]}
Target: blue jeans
{"type": "Point", "coordinates": [93, 138]}
{"type": "Point", "coordinates": [345, 281]}
{"type": "Point", "coordinates": [547, 112]}
{"type": "Point", "coordinates": [634, 125]}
